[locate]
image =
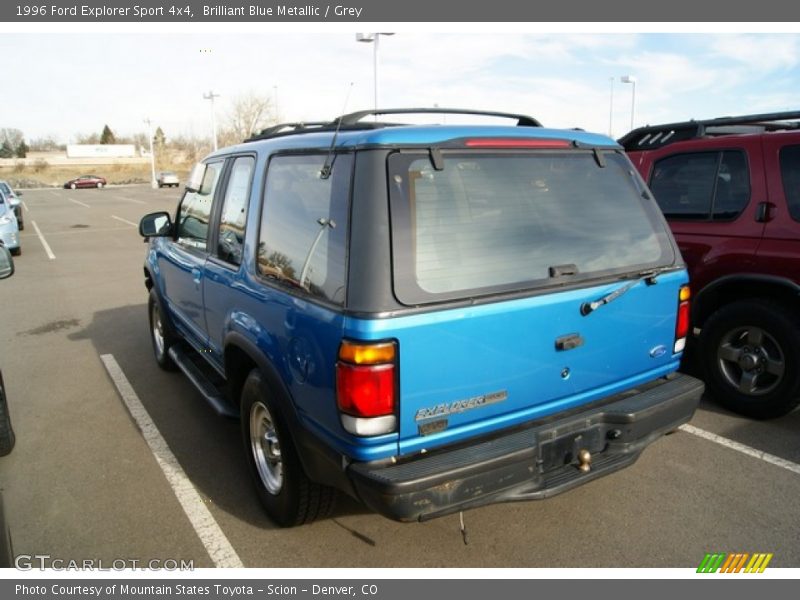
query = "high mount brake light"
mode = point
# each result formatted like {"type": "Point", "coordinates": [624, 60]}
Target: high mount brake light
{"type": "Point", "coordinates": [516, 143]}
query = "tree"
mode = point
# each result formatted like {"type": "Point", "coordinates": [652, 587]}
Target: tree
{"type": "Point", "coordinates": [6, 150]}
{"type": "Point", "coordinates": [14, 137]}
{"type": "Point", "coordinates": [159, 139]}
{"type": "Point", "coordinates": [22, 150]}
{"type": "Point", "coordinates": [251, 112]}
{"type": "Point", "coordinates": [107, 137]}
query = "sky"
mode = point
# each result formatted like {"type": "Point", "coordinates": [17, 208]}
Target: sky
{"type": "Point", "coordinates": [63, 84]}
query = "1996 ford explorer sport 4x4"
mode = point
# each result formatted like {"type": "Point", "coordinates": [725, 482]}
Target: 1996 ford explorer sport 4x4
{"type": "Point", "coordinates": [428, 318]}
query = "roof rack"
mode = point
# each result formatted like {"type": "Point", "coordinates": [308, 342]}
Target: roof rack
{"type": "Point", "coordinates": [287, 128]}
{"type": "Point", "coordinates": [354, 118]}
{"type": "Point", "coordinates": [657, 136]}
{"type": "Point", "coordinates": [353, 121]}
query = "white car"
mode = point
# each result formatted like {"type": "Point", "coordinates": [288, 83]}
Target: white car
{"type": "Point", "coordinates": [168, 178]}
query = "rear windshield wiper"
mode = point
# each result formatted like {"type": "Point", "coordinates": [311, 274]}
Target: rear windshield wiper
{"type": "Point", "coordinates": [649, 277]}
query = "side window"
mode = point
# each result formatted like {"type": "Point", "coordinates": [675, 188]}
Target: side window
{"type": "Point", "coordinates": [702, 186]}
{"type": "Point", "coordinates": [303, 231]}
{"type": "Point", "coordinates": [194, 213]}
{"type": "Point", "coordinates": [790, 175]}
{"type": "Point", "coordinates": [230, 241]}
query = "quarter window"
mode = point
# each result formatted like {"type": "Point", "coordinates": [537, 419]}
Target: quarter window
{"type": "Point", "coordinates": [230, 240]}
{"type": "Point", "coordinates": [195, 210]}
{"type": "Point", "coordinates": [790, 175]}
{"type": "Point", "coordinates": [702, 186]}
{"type": "Point", "coordinates": [304, 225]}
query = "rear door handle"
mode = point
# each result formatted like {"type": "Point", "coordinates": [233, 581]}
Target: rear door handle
{"type": "Point", "coordinates": [764, 212]}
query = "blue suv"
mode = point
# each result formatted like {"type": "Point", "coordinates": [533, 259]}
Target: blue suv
{"type": "Point", "coordinates": [428, 318]}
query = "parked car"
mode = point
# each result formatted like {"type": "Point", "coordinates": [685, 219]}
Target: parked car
{"type": "Point", "coordinates": [730, 189]}
{"type": "Point", "coordinates": [168, 178]}
{"type": "Point", "coordinates": [9, 230]}
{"type": "Point", "coordinates": [427, 318]}
{"type": "Point", "coordinates": [85, 181]}
{"type": "Point", "coordinates": [13, 198]}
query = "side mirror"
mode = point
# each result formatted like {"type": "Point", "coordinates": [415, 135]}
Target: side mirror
{"type": "Point", "coordinates": [157, 224]}
{"type": "Point", "coordinates": [6, 263]}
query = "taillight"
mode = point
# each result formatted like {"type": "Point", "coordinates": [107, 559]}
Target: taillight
{"type": "Point", "coordinates": [682, 322]}
{"type": "Point", "coordinates": [366, 383]}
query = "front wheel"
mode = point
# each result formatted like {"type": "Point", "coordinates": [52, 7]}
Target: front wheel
{"type": "Point", "coordinates": [72, 186]}
{"type": "Point", "coordinates": [161, 333]}
{"type": "Point", "coordinates": [749, 350]}
{"type": "Point", "coordinates": [285, 491]}
{"type": "Point", "coordinates": [99, 184]}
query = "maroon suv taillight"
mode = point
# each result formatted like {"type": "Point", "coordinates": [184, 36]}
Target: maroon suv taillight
{"type": "Point", "coordinates": [366, 384]}
{"type": "Point", "coordinates": [682, 322]}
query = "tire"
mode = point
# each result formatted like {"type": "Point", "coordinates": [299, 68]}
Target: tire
{"type": "Point", "coordinates": [7, 437]}
{"type": "Point", "coordinates": [99, 184]}
{"type": "Point", "coordinates": [749, 351]}
{"type": "Point", "coordinates": [16, 251]}
{"type": "Point", "coordinates": [162, 336]}
{"type": "Point", "coordinates": [284, 489]}
{"type": "Point", "coordinates": [72, 186]}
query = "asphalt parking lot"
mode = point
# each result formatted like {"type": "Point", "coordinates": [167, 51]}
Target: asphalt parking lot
{"type": "Point", "coordinates": [84, 481]}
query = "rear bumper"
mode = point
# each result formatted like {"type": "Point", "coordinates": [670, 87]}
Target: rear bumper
{"type": "Point", "coordinates": [531, 463]}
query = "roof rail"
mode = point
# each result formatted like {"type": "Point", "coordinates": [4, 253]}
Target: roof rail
{"type": "Point", "coordinates": [354, 118]}
{"type": "Point", "coordinates": [353, 121]}
{"type": "Point", "coordinates": [288, 128]}
{"type": "Point", "coordinates": [651, 137]}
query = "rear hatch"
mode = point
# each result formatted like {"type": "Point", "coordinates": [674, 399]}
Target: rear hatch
{"type": "Point", "coordinates": [542, 279]}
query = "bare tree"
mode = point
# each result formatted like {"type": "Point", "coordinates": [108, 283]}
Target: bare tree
{"type": "Point", "coordinates": [250, 113]}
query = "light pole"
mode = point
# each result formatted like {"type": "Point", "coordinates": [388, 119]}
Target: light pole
{"type": "Point", "coordinates": [372, 38]}
{"type": "Point", "coordinates": [153, 182]}
{"type": "Point", "coordinates": [611, 110]}
{"type": "Point", "coordinates": [324, 224]}
{"type": "Point", "coordinates": [275, 95]}
{"type": "Point", "coordinates": [210, 96]}
{"type": "Point", "coordinates": [632, 80]}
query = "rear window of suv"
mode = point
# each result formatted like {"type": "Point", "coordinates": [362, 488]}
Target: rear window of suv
{"type": "Point", "coordinates": [501, 221]}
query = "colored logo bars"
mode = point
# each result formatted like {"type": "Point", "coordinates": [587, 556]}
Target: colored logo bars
{"type": "Point", "coordinates": [734, 563]}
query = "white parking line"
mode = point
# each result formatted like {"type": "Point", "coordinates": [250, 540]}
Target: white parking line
{"type": "Point", "coordinates": [749, 451]}
{"type": "Point", "coordinates": [25, 206]}
{"type": "Point", "coordinates": [131, 223]}
{"type": "Point", "coordinates": [206, 527]}
{"type": "Point", "coordinates": [79, 202]}
{"type": "Point", "coordinates": [130, 199]}
{"type": "Point", "coordinates": [47, 249]}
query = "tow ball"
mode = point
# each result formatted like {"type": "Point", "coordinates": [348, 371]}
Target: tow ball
{"type": "Point", "coordinates": [584, 460]}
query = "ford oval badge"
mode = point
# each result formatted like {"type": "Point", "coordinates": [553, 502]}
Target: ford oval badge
{"type": "Point", "coordinates": [658, 351]}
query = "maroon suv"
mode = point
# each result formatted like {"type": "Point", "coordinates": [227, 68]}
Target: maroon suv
{"type": "Point", "coordinates": [730, 189]}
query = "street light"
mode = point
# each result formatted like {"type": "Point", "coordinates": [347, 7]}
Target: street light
{"type": "Point", "coordinates": [611, 110]}
{"type": "Point", "coordinates": [372, 38]}
{"type": "Point", "coordinates": [632, 80]}
{"type": "Point", "coordinates": [210, 96]}
{"type": "Point", "coordinates": [153, 182]}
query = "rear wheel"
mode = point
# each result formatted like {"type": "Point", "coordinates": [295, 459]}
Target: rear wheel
{"type": "Point", "coordinates": [16, 251]}
{"type": "Point", "coordinates": [285, 491]}
{"type": "Point", "coordinates": [161, 333]}
{"type": "Point", "coordinates": [99, 184]}
{"type": "Point", "coordinates": [749, 350]}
